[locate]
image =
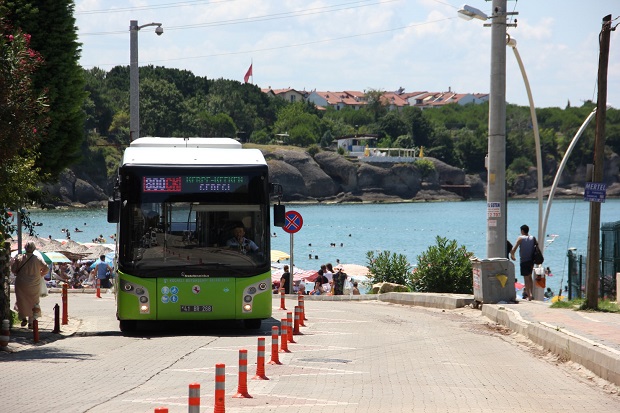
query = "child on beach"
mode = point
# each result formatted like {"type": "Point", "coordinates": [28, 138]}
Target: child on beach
{"type": "Point", "coordinates": [318, 289]}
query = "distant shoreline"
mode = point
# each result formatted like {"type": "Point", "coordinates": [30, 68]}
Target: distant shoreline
{"type": "Point", "coordinates": [349, 199]}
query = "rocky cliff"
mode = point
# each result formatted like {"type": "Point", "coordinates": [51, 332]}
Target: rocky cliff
{"type": "Point", "coordinates": [330, 177]}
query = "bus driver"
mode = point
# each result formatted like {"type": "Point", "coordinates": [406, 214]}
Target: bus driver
{"type": "Point", "coordinates": [240, 242]}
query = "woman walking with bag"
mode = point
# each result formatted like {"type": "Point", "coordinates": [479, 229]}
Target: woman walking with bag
{"type": "Point", "coordinates": [29, 270]}
{"type": "Point", "coordinates": [525, 244]}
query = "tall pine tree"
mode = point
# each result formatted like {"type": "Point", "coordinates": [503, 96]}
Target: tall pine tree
{"type": "Point", "coordinates": [54, 35]}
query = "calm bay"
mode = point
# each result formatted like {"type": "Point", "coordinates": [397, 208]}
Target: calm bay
{"type": "Point", "coordinates": [404, 228]}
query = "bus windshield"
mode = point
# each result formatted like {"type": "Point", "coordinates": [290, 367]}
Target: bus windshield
{"type": "Point", "coordinates": [193, 222]}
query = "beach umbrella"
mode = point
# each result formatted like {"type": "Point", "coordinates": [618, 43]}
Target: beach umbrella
{"type": "Point", "coordinates": [48, 257]}
{"type": "Point", "coordinates": [96, 252]}
{"type": "Point", "coordinates": [298, 275]}
{"type": "Point", "coordinates": [354, 270]}
{"type": "Point", "coordinates": [279, 255]}
{"type": "Point", "coordinates": [55, 257]}
{"type": "Point", "coordinates": [98, 261]}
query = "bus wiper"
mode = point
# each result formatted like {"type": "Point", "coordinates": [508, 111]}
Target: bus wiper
{"type": "Point", "coordinates": [215, 264]}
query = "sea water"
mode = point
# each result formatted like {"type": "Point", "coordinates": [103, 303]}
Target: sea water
{"type": "Point", "coordinates": [346, 232]}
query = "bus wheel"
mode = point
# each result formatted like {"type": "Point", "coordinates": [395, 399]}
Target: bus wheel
{"type": "Point", "coordinates": [252, 324]}
{"type": "Point", "coordinates": [127, 326]}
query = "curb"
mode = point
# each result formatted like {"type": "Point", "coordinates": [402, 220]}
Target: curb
{"type": "Point", "coordinates": [433, 300]}
{"type": "Point", "coordinates": [58, 290]}
{"type": "Point", "coordinates": [599, 359]}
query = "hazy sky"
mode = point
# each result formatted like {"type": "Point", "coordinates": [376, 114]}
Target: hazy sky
{"type": "Point", "coordinates": [420, 45]}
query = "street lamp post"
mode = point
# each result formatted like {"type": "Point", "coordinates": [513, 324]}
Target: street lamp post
{"type": "Point", "coordinates": [496, 167]}
{"type": "Point", "coordinates": [541, 228]}
{"type": "Point", "coordinates": [134, 77]}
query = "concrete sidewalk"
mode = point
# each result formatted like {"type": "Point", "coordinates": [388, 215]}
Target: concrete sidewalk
{"type": "Point", "coordinates": [591, 339]}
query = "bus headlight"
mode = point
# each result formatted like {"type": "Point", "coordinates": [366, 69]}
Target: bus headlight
{"type": "Point", "coordinates": [144, 309]}
{"type": "Point", "coordinates": [262, 286]}
{"type": "Point", "coordinates": [247, 307]}
{"type": "Point", "coordinates": [247, 298]}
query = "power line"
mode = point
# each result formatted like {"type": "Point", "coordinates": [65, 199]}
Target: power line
{"type": "Point", "coordinates": [266, 49]}
{"type": "Point", "coordinates": [266, 17]}
{"type": "Point", "coordinates": [155, 7]}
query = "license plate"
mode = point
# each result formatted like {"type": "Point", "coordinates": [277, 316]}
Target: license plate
{"type": "Point", "coordinates": [196, 308]}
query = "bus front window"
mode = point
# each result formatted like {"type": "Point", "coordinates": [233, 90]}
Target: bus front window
{"type": "Point", "coordinates": [194, 239]}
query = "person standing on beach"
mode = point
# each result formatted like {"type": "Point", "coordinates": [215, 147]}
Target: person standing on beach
{"type": "Point", "coordinates": [103, 271]}
{"type": "Point", "coordinates": [525, 244]}
{"type": "Point", "coordinates": [339, 279]}
{"type": "Point", "coordinates": [29, 270]}
{"type": "Point", "coordinates": [285, 281]}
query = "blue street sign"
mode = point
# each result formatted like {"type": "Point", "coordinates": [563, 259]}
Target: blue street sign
{"type": "Point", "coordinates": [595, 192]}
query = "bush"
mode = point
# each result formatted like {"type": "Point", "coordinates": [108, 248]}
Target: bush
{"type": "Point", "coordinates": [340, 150]}
{"type": "Point", "coordinates": [444, 268]}
{"type": "Point", "coordinates": [313, 149]}
{"type": "Point", "coordinates": [389, 267]}
{"type": "Point", "coordinates": [425, 166]}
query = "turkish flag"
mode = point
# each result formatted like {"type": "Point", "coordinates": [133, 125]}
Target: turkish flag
{"type": "Point", "coordinates": [248, 74]}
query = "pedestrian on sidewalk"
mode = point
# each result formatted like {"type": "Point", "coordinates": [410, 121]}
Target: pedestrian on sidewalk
{"type": "Point", "coordinates": [29, 270]}
{"type": "Point", "coordinates": [525, 244]}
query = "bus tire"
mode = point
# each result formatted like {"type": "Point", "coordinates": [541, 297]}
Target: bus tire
{"type": "Point", "coordinates": [127, 326]}
{"type": "Point", "coordinates": [252, 323]}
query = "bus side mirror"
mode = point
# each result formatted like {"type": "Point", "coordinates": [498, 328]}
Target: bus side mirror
{"type": "Point", "coordinates": [114, 211]}
{"type": "Point", "coordinates": [278, 215]}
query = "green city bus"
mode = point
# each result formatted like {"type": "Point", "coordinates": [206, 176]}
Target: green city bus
{"type": "Point", "coordinates": [178, 203]}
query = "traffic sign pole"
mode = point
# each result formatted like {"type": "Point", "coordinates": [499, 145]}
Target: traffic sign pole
{"type": "Point", "coordinates": [293, 223]}
{"type": "Point", "coordinates": [289, 287]}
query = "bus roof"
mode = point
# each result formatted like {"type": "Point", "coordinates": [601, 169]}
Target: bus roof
{"type": "Point", "coordinates": [190, 151]}
{"type": "Point", "coordinates": [152, 142]}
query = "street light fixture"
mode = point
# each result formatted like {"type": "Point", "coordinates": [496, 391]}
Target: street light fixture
{"type": "Point", "coordinates": [134, 76]}
{"type": "Point", "coordinates": [469, 12]}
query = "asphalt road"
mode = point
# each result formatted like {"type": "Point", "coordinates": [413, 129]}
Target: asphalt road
{"type": "Point", "coordinates": [364, 356]}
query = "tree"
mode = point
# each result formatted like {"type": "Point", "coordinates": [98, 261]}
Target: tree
{"type": "Point", "coordinates": [160, 108]}
{"type": "Point", "coordinates": [470, 150]}
{"type": "Point", "coordinates": [417, 125]}
{"type": "Point", "coordinates": [375, 104]}
{"type": "Point", "coordinates": [22, 118]}
{"type": "Point", "coordinates": [392, 125]}
{"type": "Point", "coordinates": [303, 127]}
{"type": "Point", "coordinates": [54, 36]}
{"type": "Point", "coordinates": [220, 125]}
{"type": "Point", "coordinates": [404, 141]}
{"type": "Point", "coordinates": [442, 146]}
{"type": "Point", "coordinates": [326, 139]}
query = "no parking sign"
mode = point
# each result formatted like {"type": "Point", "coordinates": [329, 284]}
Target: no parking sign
{"type": "Point", "coordinates": [293, 222]}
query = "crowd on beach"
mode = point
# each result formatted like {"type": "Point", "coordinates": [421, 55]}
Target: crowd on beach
{"type": "Point", "coordinates": [76, 274]}
{"type": "Point", "coordinates": [328, 281]}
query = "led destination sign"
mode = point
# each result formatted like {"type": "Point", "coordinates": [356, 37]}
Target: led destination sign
{"type": "Point", "coordinates": [193, 184]}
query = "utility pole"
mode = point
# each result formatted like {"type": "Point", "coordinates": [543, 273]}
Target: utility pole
{"type": "Point", "coordinates": [496, 181]}
{"type": "Point", "coordinates": [592, 266]}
